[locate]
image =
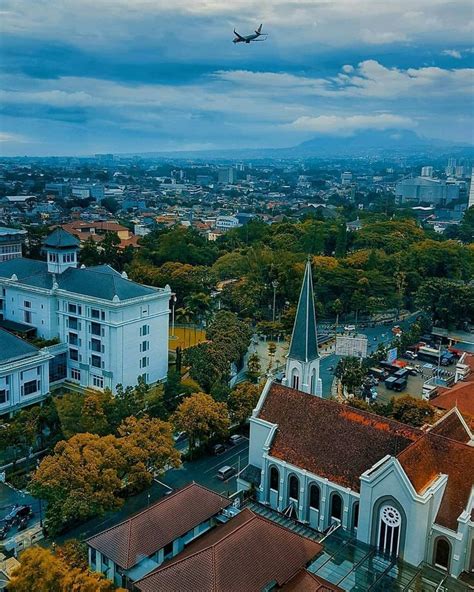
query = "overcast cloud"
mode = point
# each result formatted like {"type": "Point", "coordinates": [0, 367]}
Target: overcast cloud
{"type": "Point", "coordinates": [141, 75]}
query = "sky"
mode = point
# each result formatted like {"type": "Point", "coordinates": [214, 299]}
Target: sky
{"type": "Point", "coordinates": [91, 76]}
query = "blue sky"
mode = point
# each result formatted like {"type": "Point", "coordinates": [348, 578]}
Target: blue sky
{"type": "Point", "coordinates": [86, 76]}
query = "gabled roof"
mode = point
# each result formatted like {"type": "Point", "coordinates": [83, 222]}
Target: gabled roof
{"type": "Point", "coordinates": [244, 555]}
{"type": "Point", "coordinates": [14, 348]}
{"type": "Point", "coordinates": [461, 396]}
{"type": "Point", "coordinates": [304, 342]}
{"type": "Point", "coordinates": [142, 535]}
{"type": "Point", "coordinates": [452, 425]}
{"type": "Point", "coordinates": [348, 441]}
{"type": "Point", "coordinates": [60, 239]}
{"type": "Point", "coordinates": [433, 455]}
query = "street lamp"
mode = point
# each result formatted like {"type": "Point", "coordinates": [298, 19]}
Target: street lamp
{"type": "Point", "coordinates": [275, 285]}
{"type": "Point", "coordinates": [173, 303]}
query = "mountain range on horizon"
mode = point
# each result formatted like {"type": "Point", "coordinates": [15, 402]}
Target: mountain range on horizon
{"type": "Point", "coordinates": [365, 142]}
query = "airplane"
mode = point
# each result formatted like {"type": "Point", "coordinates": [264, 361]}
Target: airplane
{"type": "Point", "coordinates": [248, 38]}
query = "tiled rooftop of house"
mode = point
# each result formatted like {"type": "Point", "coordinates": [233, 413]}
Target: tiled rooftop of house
{"type": "Point", "coordinates": [14, 348]}
{"type": "Point", "coordinates": [245, 554]}
{"type": "Point", "coordinates": [152, 529]}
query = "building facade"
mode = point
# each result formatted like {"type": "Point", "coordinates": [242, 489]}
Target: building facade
{"type": "Point", "coordinates": [407, 492]}
{"type": "Point", "coordinates": [11, 241]}
{"type": "Point", "coordinates": [113, 330]}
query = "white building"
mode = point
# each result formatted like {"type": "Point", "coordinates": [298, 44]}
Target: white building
{"type": "Point", "coordinates": [11, 241]}
{"type": "Point", "coordinates": [470, 203]}
{"type": "Point", "coordinates": [346, 178]}
{"type": "Point", "coordinates": [405, 491]}
{"type": "Point", "coordinates": [427, 171]}
{"type": "Point", "coordinates": [226, 176]}
{"type": "Point", "coordinates": [226, 222]}
{"type": "Point", "coordinates": [115, 330]}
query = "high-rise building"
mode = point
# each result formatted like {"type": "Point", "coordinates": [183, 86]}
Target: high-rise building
{"type": "Point", "coordinates": [227, 176]}
{"type": "Point", "coordinates": [450, 167]}
{"type": "Point", "coordinates": [427, 171]}
{"type": "Point", "coordinates": [346, 178]}
{"type": "Point", "coordinates": [459, 172]}
{"type": "Point", "coordinates": [470, 203]}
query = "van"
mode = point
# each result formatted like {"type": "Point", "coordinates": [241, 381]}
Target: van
{"type": "Point", "coordinates": [225, 472]}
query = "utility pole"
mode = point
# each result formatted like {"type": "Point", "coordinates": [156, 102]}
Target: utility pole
{"type": "Point", "coordinates": [275, 285]}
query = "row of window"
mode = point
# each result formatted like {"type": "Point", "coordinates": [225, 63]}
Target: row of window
{"type": "Point", "coordinates": [67, 258]}
{"type": "Point", "coordinates": [95, 313]}
{"type": "Point", "coordinates": [6, 249]}
{"type": "Point", "coordinates": [97, 381]}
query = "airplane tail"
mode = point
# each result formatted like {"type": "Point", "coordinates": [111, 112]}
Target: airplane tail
{"type": "Point", "coordinates": [259, 30]}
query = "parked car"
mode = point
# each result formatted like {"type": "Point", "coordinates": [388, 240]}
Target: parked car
{"type": "Point", "coordinates": [349, 328]}
{"type": "Point", "coordinates": [17, 513]}
{"type": "Point", "coordinates": [4, 528]}
{"type": "Point", "coordinates": [218, 449]}
{"type": "Point", "coordinates": [225, 473]}
{"type": "Point", "coordinates": [23, 523]}
{"type": "Point", "coordinates": [236, 439]}
{"type": "Point", "coordinates": [179, 437]}
{"type": "Point", "coordinates": [410, 355]}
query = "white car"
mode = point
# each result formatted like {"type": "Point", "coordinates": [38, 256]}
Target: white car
{"type": "Point", "coordinates": [350, 328]}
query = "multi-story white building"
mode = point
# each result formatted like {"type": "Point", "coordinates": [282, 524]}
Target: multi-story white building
{"type": "Point", "coordinates": [226, 222]}
{"type": "Point", "coordinates": [115, 330]}
{"type": "Point", "coordinates": [11, 241]}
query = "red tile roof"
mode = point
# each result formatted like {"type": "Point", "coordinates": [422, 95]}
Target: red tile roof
{"type": "Point", "coordinates": [142, 535]}
{"type": "Point", "coordinates": [328, 439]}
{"type": "Point", "coordinates": [452, 426]}
{"type": "Point", "coordinates": [305, 581]}
{"type": "Point", "coordinates": [433, 455]}
{"type": "Point", "coordinates": [461, 396]}
{"type": "Point", "coordinates": [244, 555]}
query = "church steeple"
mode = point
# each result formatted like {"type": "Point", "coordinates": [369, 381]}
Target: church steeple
{"type": "Point", "coordinates": [302, 366]}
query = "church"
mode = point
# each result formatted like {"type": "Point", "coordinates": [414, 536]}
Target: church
{"type": "Point", "coordinates": [408, 492]}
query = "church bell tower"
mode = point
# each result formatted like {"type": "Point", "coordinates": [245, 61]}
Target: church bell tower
{"type": "Point", "coordinates": [302, 365]}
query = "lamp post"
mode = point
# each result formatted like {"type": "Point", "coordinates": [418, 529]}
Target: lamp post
{"type": "Point", "coordinates": [275, 285]}
{"type": "Point", "coordinates": [173, 304]}
{"type": "Point", "coordinates": [39, 499]}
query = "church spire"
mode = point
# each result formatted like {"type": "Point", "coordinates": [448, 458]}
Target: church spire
{"type": "Point", "coordinates": [304, 342]}
{"type": "Point", "coordinates": [302, 365]}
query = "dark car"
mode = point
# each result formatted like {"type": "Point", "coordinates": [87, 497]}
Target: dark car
{"type": "Point", "coordinates": [218, 449]}
{"type": "Point", "coordinates": [236, 439]}
{"type": "Point", "coordinates": [4, 528]}
{"type": "Point", "coordinates": [17, 513]}
{"type": "Point", "coordinates": [23, 523]}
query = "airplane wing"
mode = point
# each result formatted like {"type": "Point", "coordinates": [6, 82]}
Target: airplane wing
{"type": "Point", "coordinates": [238, 36]}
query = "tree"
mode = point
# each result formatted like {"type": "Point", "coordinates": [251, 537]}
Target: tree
{"type": "Point", "coordinates": [412, 411]}
{"type": "Point", "coordinates": [351, 373]}
{"type": "Point", "coordinates": [242, 401]}
{"type": "Point", "coordinates": [41, 570]}
{"type": "Point", "coordinates": [337, 308]}
{"type": "Point", "coordinates": [200, 417]}
{"type": "Point", "coordinates": [451, 303]}
{"type": "Point", "coordinates": [254, 367]}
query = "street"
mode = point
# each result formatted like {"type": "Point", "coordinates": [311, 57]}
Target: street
{"type": "Point", "coordinates": [202, 470]}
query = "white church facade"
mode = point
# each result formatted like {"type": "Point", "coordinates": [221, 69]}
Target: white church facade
{"type": "Point", "coordinates": [110, 330]}
{"type": "Point", "coordinates": [406, 491]}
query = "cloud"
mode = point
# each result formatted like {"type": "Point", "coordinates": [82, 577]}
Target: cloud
{"type": "Point", "coordinates": [453, 53]}
{"type": "Point", "coordinates": [348, 125]}
{"type": "Point", "coordinates": [12, 138]}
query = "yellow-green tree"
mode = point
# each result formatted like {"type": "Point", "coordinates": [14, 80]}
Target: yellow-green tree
{"type": "Point", "coordinates": [200, 417]}
{"type": "Point", "coordinates": [43, 571]}
{"type": "Point", "coordinates": [242, 401]}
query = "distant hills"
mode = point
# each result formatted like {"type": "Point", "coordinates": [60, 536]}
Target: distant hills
{"type": "Point", "coordinates": [363, 143]}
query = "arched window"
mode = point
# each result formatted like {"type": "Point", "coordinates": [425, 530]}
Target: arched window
{"type": "Point", "coordinates": [294, 487]}
{"type": "Point", "coordinates": [314, 496]}
{"type": "Point", "coordinates": [390, 523]}
{"type": "Point", "coordinates": [336, 506]}
{"type": "Point", "coordinates": [274, 479]}
{"type": "Point", "coordinates": [442, 553]}
{"type": "Point", "coordinates": [355, 515]}
{"type": "Point", "coordinates": [295, 379]}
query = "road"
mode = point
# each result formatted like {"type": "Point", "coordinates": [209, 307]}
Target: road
{"type": "Point", "coordinates": [202, 470]}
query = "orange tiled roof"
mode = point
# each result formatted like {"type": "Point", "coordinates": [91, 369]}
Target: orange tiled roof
{"type": "Point", "coordinates": [305, 581]}
{"type": "Point", "coordinates": [433, 455]}
{"type": "Point", "coordinates": [451, 426]}
{"type": "Point", "coordinates": [243, 555]}
{"type": "Point", "coordinates": [331, 440]}
{"type": "Point", "coordinates": [461, 396]}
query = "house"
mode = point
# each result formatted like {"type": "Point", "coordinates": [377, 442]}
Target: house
{"type": "Point", "coordinates": [404, 491]}
{"type": "Point", "coordinates": [248, 553]}
{"type": "Point", "coordinates": [97, 231]}
{"type": "Point", "coordinates": [113, 330]}
{"type": "Point", "coordinates": [132, 549]}
{"type": "Point", "coordinates": [11, 241]}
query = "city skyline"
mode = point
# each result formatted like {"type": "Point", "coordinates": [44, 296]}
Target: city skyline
{"type": "Point", "coordinates": [140, 76]}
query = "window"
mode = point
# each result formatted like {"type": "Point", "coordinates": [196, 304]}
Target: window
{"type": "Point", "coordinates": [96, 345]}
{"type": "Point", "coordinates": [75, 374]}
{"type": "Point", "coordinates": [144, 346]}
{"type": "Point", "coordinates": [355, 515]}
{"type": "Point", "coordinates": [96, 329]}
{"type": "Point", "coordinates": [95, 314]}
{"type": "Point", "coordinates": [168, 549]}
{"type": "Point", "coordinates": [73, 323]}
{"type": "Point", "coordinates": [145, 330]}
{"type": "Point", "coordinates": [27, 316]}
{"type": "Point", "coordinates": [105, 561]}
{"type": "Point", "coordinates": [144, 362]}
{"type": "Point", "coordinates": [274, 479]}
{"type": "Point", "coordinates": [314, 496]}
{"type": "Point", "coordinates": [72, 308]}
{"type": "Point", "coordinates": [74, 355]}
{"type": "Point", "coordinates": [30, 387]}
{"type": "Point", "coordinates": [294, 487]}
{"type": "Point", "coordinates": [389, 530]}
{"type": "Point", "coordinates": [93, 556]}
{"type": "Point", "coordinates": [73, 339]}
{"type": "Point", "coordinates": [4, 396]}
{"type": "Point", "coordinates": [97, 381]}
{"type": "Point", "coordinates": [27, 304]}
{"type": "Point", "coordinates": [336, 506]}
{"type": "Point", "coordinates": [96, 361]}
{"type": "Point", "coordinates": [442, 554]}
